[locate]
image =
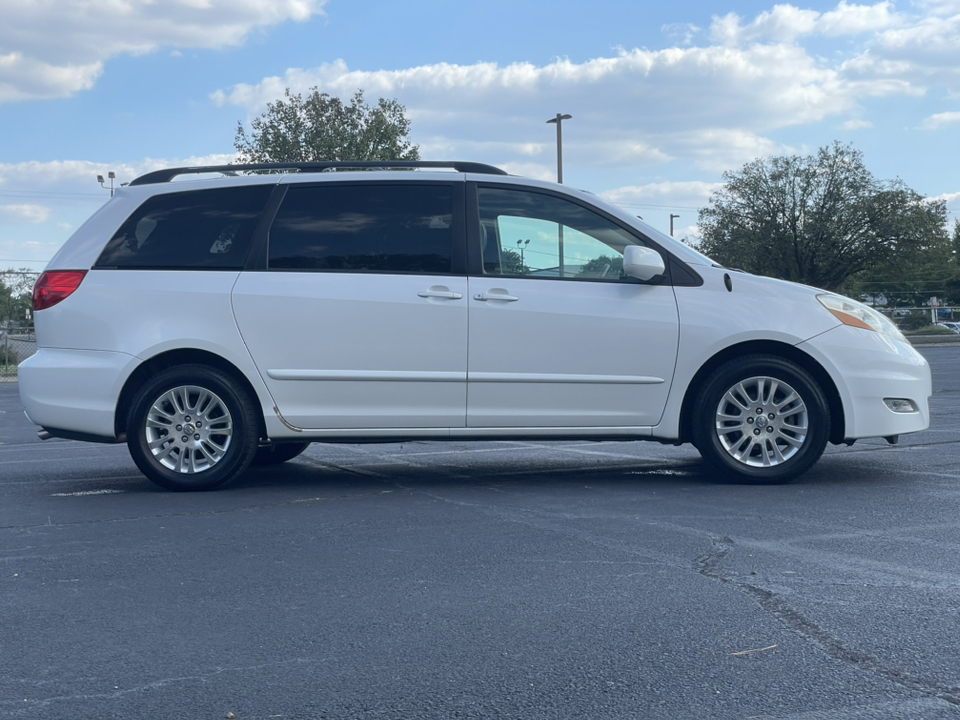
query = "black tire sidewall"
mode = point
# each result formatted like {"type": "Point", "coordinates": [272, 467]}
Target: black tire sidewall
{"type": "Point", "coordinates": [708, 399]}
{"type": "Point", "coordinates": [243, 443]}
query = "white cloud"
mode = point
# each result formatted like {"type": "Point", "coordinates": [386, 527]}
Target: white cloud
{"type": "Point", "coordinates": [787, 23]}
{"type": "Point", "coordinates": [951, 198]}
{"type": "Point", "coordinates": [683, 195]}
{"type": "Point", "coordinates": [923, 51]}
{"type": "Point", "coordinates": [24, 213]}
{"type": "Point", "coordinates": [33, 65]}
{"type": "Point", "coordinates": [937, 121]}
{"type": "Point", "coordinates": [716, 104]}
{"type": "Point", "coordinates": [782, 24]}
{"type": "Point", "coordinates": [637, 96]}
{"type": "Point", "coordinates": [682, 33]}
{"type": "Point", "coordinates": [720, 149]}
{"type": "Point", "coordinates": [547, 173]}
{"type": "Point", "coordinates": [79, 177]}
{"type": "Point", "coordinates": [856, 19]}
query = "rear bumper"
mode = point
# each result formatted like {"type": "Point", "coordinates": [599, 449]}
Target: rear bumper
{"type": "Point", "coordinates": [74, 391]}
{"type": "Point", "coordinates": [868, 368]}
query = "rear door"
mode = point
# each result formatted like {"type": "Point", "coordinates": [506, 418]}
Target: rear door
{"type": "Point", "coordinates": [360, 318]}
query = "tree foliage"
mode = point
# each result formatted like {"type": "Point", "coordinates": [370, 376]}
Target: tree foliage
{"type": "Point", "coordinates": [818, 220]}
{"type": "Point", "coordinates": [321, 127]}
{"type": "Point", "coordinates": [610, 266]}
{"type": "Point", "coordinates": [511, 263]}
{"type": "Point", "coordinates": [16, 293]}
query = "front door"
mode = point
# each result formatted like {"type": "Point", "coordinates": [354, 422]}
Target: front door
{"type": "Point", "coordinates": [558, 336]}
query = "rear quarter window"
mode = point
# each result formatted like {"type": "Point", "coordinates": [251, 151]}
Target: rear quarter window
{"type": "Point", "coordinates": [199, 229]}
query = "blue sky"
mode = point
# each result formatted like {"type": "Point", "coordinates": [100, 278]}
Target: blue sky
{"type": "Point", "coordinates": [665, 96]}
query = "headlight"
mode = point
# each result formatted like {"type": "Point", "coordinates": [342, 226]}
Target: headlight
{"type": "Point", "coordinates": [850, 312]}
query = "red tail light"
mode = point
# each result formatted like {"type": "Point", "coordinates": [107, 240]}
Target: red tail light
{"type": "Point", "coordinates": [54, 286]}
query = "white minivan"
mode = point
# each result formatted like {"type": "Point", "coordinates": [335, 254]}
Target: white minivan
{"type": "Point", "coordinates": [212, 317]}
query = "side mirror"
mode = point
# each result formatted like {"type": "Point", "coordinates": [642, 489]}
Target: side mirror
{"type": "Point", "coordinates": [642, 262]}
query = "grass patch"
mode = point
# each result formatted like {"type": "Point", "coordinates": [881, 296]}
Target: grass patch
{"type": "Point", "coordinates": [932, 330]}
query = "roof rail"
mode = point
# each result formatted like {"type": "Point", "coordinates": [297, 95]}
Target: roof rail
{"type": "Point", "coordinates": [166, 175]}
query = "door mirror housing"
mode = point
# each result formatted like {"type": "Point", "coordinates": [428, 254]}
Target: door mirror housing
{"type": "Point", "coordinates": [642, 262]}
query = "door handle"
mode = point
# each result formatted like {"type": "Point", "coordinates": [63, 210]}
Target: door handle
{"type": "Point", "coordinates": [440, 294]}
{"type": "Point", "coordinates": [495, 296]}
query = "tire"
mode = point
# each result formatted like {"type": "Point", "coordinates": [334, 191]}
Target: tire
{"type": "Point", "coordinates": [761, 419]}
{"type": "Point", "coordinates": [279, 453]}
{"type": "Point", "coordinates": [201, 399]}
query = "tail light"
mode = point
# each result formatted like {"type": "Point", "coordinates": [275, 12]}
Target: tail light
{"type": "Point", "coordinates": [55, 285]}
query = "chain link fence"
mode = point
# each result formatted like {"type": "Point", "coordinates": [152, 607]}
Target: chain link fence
{"type": "Point", "coordinates": [17, 338]}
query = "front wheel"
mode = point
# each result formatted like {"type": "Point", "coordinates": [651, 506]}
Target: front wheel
{"type": "Point", "coordinates": [761, 419]}
{"type": "Point", "coordinates": [192, 428]}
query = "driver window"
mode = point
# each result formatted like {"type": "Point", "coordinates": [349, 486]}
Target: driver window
{"type": "Point", "coordinates": [527, 234]}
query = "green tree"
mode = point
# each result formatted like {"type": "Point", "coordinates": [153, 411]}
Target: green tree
{"type": "Point", "coordinates": [320, 127]}
{"type": "Point", "coordinates": [951, 286]}
{"type": "Point", "coordinates": [511, 263]}
{"type": "Point", "coordinates": [608, 266]}
{"type": "Point", "coordinates": [6, 300]}
{"type": "Point", "coordinates": [818, 220]}
{"type": "Point", "coordinates": [910, 279]}
{"type": "Point", "coordinates": [16, 294]}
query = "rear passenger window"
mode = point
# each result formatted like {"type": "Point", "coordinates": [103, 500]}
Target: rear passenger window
{"type": "Point", "coordinates": [364, 228]}
{"type": "Point", "coordinates": [200, 229]}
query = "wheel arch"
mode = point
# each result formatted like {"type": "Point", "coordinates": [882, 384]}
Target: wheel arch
{"type": "Point", "coordinates": [173, 358]}
{"type": "Point", "coordinates": [765, 347]}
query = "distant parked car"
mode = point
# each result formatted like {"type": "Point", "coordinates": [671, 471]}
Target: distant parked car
{"type": "Point", "coordinates": [222, 321]}
{"type": "Point", "coordinates": [955, 326]}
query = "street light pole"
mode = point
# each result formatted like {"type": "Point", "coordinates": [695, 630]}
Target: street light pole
{"type": "Point", "coordinates": [523, 246]}
{"type": "Point", "coordinates": [559, 122]}
{"type": "Point", "coordinates": [672, 216]}
{"type": "Point", "coordinates": [112, 175]}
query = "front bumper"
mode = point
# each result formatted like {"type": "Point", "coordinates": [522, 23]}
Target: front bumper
{"type": "Point", "coordinates": [868, 368]}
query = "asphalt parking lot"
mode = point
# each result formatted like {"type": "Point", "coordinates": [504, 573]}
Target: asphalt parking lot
{"type": "Point", "coordinates": [492, 580]}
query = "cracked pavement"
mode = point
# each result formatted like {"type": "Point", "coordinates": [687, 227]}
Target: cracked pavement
{"type": "Point", "coordinates": [487, 580]}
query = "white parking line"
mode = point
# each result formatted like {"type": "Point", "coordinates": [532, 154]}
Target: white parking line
{"type": "Point", "coordinates": [81, 493]}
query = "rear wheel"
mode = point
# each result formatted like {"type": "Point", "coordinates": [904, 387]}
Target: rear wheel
{"type": "Point", "coordinates": [279, 453]}
{"type": "Point", "coordinates": [192, 428]}
{"type": "Point", "coordinates": [761, 419]}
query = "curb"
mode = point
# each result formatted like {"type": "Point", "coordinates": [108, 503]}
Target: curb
{"type": "Point", "coordinates": [934, 339]}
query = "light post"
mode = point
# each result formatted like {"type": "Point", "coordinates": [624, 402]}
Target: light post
{"type": "Point", "coordinates": [559, 122]}
{"type": "Point", "coordinates": [112, 175]}
{"type": "Point", "coordinates": [523, 246]}
{"type": "Point", "coordinates": [672, 216]}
